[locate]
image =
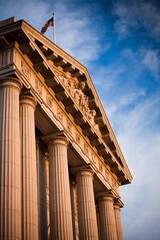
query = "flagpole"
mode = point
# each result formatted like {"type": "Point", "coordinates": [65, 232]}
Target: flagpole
{"type": "Point", "coordinates": [54, 29]}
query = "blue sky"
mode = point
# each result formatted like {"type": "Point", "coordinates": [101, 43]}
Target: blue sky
{"type": "Point", "coordinates": [119, 43]}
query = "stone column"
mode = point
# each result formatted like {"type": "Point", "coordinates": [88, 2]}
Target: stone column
{"type": "Point", "coordinates": [10, 163]}
{"type": "Point", "coordinates": [107, 218]}
{"type": "Point", "coordinates": [47, 195]}
{"type": "Point", "coordinates": [88, 229]}
{"type": "Point", "coordinates": [60, 199]}
{"type": "Point", "coordinates": [29, 169]}
{"type": "Point", "coordinates": [118, 221]}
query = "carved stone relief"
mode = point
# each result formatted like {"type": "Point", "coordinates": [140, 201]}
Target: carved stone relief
{"type": "Point", "coordinates": [49, 100]}
{"type": "Point", "coordinates": [76, 92]}
{"type": "Point", "coordinates": [93, 158]}
{"type": "Point", "coordinates": [60, 114]}
{"type": "Point", "coordinates": [78, 138]}
{"type": "Point", "coordinates": [25, 70]}
{"type": "Point", "coordinates": [107, 175]}
{"type": "Point", "coordinates": [39, 86]}
{"type": "Point", "coordinates": [86, 150]}
{"type": "Point", "coordinates": [114, 183]}
{"type": "Point", "coordinates": [69, 126]}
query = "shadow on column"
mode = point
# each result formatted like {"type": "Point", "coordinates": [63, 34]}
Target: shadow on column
{"type": "Point", "coordinates": [43, 194]}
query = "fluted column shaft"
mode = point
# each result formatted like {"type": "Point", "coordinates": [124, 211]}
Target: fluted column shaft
{"type": "Point", "coordinates": [86, 206]}
{"type": "Point", "coordinates": [107, 218]}
{"type": "Point", "coordinates": [10, 164]}
{"type": "Point", "coordinates": [29, 171]}
{"type": "Point", "coordinates": [60, 200]}
{"type": "Point", "coordinates": [118, 221]}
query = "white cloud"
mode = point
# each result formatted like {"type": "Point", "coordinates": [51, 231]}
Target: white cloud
{"type": "Point", "coordinates": [122, 101]}
{"type": "Point", "coordinates": [139, 137]}
{"type": "Point", "coordinates": [109, 75]}
{"type": "Point", "coordinates": [152, 62]}
{"type": "Point", "coordinates": [144, 59]}
{"type": "Point", "coordinates": [134, 15]}
{"type": "Point", "coordinates": [123, 81]}
{"type": "Point", "coordinates": [139, 119]}
{"type": "Point", "coordinates": [34, 12]}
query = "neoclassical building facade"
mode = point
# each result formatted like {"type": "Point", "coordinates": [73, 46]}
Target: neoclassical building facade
{"type": "Point", "coordinates": [60, 164]}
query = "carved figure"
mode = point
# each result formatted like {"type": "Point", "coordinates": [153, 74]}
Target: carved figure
{"type": "Point", "coordinates": [91, 117]}
{"type": "Point", "coordinates": [66, 81]}
{"type": "Point", "coordinates": [82, 100]}
{"type": "Point", "coordinates": [75, 94]}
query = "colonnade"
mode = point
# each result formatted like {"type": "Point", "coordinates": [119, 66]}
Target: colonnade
{"type": "Point", "coordinates": [18, 180]}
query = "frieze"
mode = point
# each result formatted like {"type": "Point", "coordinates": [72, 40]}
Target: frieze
{"type": "Point", "coordinates": [25, 70]}
{"type": "Point", "coordinates": [107, 175]}
{"type": "Point", "coordinates": [114, 184]}
{"type": "Point", "coordinates": [60, 114]}
{"type": "Point", "coordinates": [49, 100]}
{"type": "Point", "coordinates": [86, 150]}
{"type": "Point", "coordinates": [78, 138]}
{"type": "Point", "coordinates": [38, 86]}
{"type": "Point", "coordinates": [69, 125]}
{"type": "Point", "coordinates": [93, 158]}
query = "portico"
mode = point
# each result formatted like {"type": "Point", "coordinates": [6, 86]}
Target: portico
{"type": "Point", "coordinates": [59, 158]}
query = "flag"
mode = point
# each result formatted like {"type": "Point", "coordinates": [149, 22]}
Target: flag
{"type": "Point", "coordinates": [49, 23]}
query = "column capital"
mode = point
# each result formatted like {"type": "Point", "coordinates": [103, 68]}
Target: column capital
{"type": "Point", "coordinates": [105, 196]}
{"type": "Point", "coordinates": [26, 99]}
{"type": "Point", "coordinates": [55, 138]}
{"type": "Point", "coordinates": [84, 172]}
{"type": "Point", "coordinates": [116, 206]}
{"type": "Point", "coordinates": [59, 140]}
{"type": "Point", "coordinates": [11, 82]}
{"type": "Point", "coordinates": [118, 203]}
